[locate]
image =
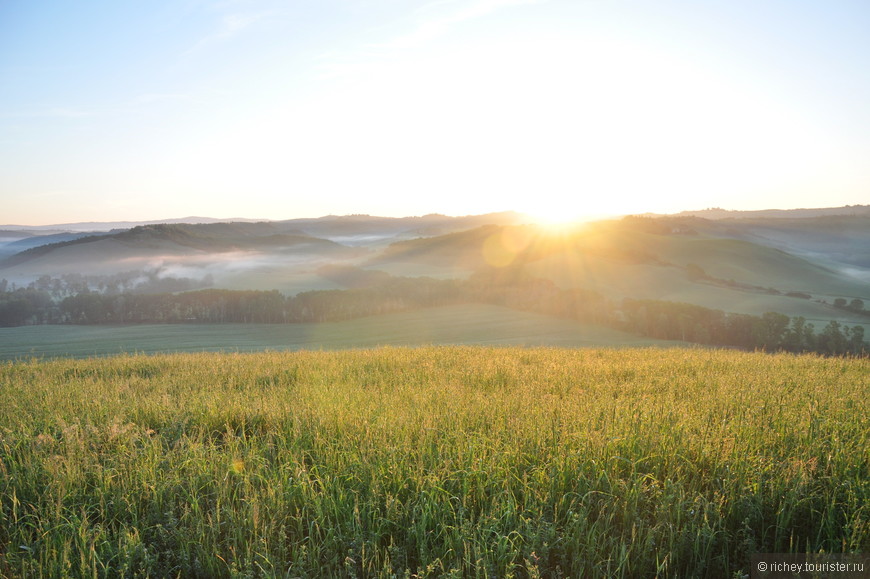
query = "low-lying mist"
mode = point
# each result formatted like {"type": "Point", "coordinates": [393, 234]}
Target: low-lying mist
{"type": "Point", "coordinates": [173, 272]}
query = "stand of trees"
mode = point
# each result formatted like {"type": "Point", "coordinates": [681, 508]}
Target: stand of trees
{"type": "Point", "coordinates": [510, 287]}
{"type": "Point", "coordinates": [29, 306]}
{"type": "Point", "coordinates": [771, 331]}
{"type": "Point", "coordinates": [856, 305]}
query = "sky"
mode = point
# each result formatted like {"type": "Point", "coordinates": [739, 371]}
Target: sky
{"type": "Point", "coordinates": [562, 109]}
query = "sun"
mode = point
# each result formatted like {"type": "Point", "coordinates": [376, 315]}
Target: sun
{"type": "Point", "coordinates": [555, 211]}
{"type": "Point", "coordinates": [555, 219]}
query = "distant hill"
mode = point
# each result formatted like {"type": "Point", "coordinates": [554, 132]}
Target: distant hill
{"type": "Point", "coordinates": [463, 248]}
{"type": "Point", "coordinates": [718, 213]}
{"type": "Point", "coordinates": [748, 263]}
{"type": "Point", "coordinates": [177, 239]}
{"type": "Point", "coordinates": [336, 223]}
{"type": "Point", "coordinates": [378, 231]}
{"type": "Point", "coordinates": [240, 254]}
{"type": "Point", "coordinates": [836, 240]}
{"type": "Point", "coordinates": [103, 226]}
{"type": "Point", "coordinates": [346, 229]}
{"type": "Point", "coordinates": [34, 240]}
{"type": "Point", "coordinates": [212, 235]}
{"type": "Point", "coordinates": [749, 266]}
{"type": "Point", "coordinates": [11, 234]}
{"type": "Point", "coordinates": [18, 238]}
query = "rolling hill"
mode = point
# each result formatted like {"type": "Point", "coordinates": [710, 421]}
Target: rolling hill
{"type": "Point", "coordinates": [169, 240]}
{"type": "Point", "coordinates": [282, 255]}
{"type": "Point", "coordinates": [793, 265]}
{"type": "Point", "coordinates": [731, 266]}
{"type": "Point", "coordinates": [16, 244]}
{"type": "Point", "coordinates": [842, 239]}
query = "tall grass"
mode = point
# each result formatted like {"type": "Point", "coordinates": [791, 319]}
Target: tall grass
{"type": "Point", "coordinates": [430, 462]}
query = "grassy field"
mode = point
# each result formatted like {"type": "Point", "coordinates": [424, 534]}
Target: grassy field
{"type": "Point", "coordinates": [430, 462]}
{"type": "Point", "coordinates": [464, 324]}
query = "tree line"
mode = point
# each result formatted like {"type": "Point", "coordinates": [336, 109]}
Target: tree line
{"type": "Point", "coordinates": [31, 305]}
{"type": "Point", "coordinates": [378, 293]}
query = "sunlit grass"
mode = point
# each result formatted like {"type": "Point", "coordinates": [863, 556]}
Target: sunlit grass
{"type": "Point", "coordinates": [458, 461]}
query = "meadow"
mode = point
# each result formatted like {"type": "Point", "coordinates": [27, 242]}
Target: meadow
{"type": "Point", "coordinates": [466, 324]}
{"type": "Point", "coordinates": [430, 462]}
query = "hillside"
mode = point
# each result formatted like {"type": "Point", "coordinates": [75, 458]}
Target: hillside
{"type": "Point", "coordinates": [223, 251]}
{"type": "Point", "coordinates": [17, 244]}
{"type": "Point", "coordinates": [347, 229]}
{"type": "Point", "coordinates": [796, 266]}
{"type": "Point", "coordinates": [375, 231]}
{"type": "Point", "coordinates": [266, 254]}
{"type": "Point", "coordinates": [839, 239]}
{"type": "Point", "coordinates": [727, 265]}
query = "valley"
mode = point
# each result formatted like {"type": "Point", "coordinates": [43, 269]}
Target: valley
{"type": "Point", "coordinates": [796, 266]}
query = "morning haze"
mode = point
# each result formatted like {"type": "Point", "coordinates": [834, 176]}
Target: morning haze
{"type": "Point", "coordinates": [515, 288]}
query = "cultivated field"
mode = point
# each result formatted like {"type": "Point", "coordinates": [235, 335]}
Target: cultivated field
{"type": "Point", "coordinates": [430, 462]}
{"type": "Point", "coordinates": [471, 324]}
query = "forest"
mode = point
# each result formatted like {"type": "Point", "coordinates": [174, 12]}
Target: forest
{"type": "Point", "coordinates": [73, 300]}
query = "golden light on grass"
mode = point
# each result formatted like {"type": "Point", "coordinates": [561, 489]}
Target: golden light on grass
{"type": "Point", "coordinates": [453, 461]}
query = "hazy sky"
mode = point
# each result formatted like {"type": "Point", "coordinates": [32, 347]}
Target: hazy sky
{"type": "Point", "coordinates": [277, 109]}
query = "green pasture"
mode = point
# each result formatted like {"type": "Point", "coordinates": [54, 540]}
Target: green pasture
{"type": "Point", "coordinates": [464, 324]}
